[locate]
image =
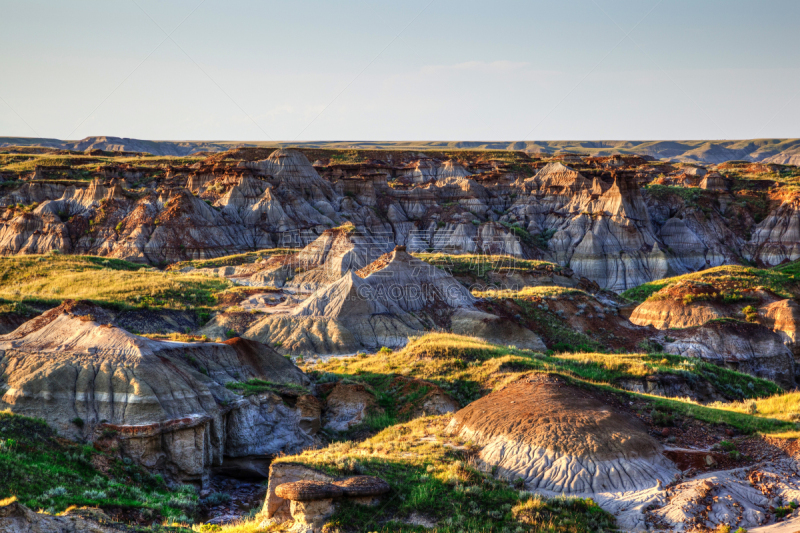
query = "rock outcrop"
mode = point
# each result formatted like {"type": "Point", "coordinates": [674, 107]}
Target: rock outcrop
{"type": "Point", "coordinates": [739, 498]}
{"type": "Point", "coordinates": [741, 346]}
{"type": "Point", "coordinates": [783, 317]}
{"type": "Point", "coordinates": [347, 406]}
{"type": "Point", "coordinates": [308, 497]}
{"type": "Point", "coordinates": [164, 404]}
{"type": "Point", "coordinates": [777, 238]}
{"type": "Point", "coordinates": [667, 313]}
{"type": "Point", "coordinates": [698, 321]}
{"type": "Point", "coordinates": [16, 518]}
{"type": "Point", "coordinates": [383, 304]}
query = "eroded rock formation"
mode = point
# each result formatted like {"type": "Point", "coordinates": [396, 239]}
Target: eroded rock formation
{"type": "Point", "coordinates": [598, 220]}
{"type": "Point", "coordinates": [561, 439]}
{"type": "Point", "coordinates": [383, 304]}
{"type": "Point", "coordinates": [164, 404]}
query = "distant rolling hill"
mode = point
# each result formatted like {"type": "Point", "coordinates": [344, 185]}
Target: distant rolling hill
{"type": "Point", "coordinates": [781, 151]}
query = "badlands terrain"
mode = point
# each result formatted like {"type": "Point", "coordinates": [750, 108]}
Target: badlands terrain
{"type": "Point", "coordinates": [376, 337]}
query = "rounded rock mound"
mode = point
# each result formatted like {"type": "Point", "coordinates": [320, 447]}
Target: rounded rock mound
{"type": "Point", "coordinates": [561, 438]}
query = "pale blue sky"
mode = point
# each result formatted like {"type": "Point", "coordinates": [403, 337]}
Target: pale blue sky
{"type": "Point", "coordinates": [400, 70]}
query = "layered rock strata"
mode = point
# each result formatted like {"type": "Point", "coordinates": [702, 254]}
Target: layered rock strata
{"type": "Point", "coordinates": [560, 439]}
{"type": "Point", "coordinates": [598, 220]}
{"type": "Point", "coordinates": [163, 404]}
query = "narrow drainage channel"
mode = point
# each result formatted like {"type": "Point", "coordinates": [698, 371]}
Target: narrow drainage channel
{"type": "Point", "coordinates": [246, 496]}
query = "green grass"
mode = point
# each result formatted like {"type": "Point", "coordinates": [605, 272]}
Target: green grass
{"type": "Point", "coordinates": [554, 330]}
{"type": "Point", "coordinates": [730, 278]}
{"type": "Point", "coordinates": [689, 195]}
{"type": "Point", "coordinates": [232, 260]}
{"type": "Point", "coordinates": [47, 473]}
{"type": "Point", "coordinates": [441, 484]}
{"type": "Point", "coordinates": [111, 282]}
{"type": "Point", "coordinates": [17, 164]}
{"type": "Point", "coordinates": [745, 423]}
{"type": "Point", "coordinates": [543, 291]}
{"type": "Point", "coordinates": [611, 368]}
{"type": "Point", "coordinates": [468, 368]}
{"type": "Point", "coordinates": [480, 265]}
{"type": "Point", "coordinates": [257, 386]}
{"type": "Point", "coordinates": [790, 269]}
{"type": "Point", "coordinates": [644, 291]}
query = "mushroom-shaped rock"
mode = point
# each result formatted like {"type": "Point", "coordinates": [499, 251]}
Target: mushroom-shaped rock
{"type": "Point", "coordinates": [360, 486]}
{"type": "Point", "coordinates": [308, 491]}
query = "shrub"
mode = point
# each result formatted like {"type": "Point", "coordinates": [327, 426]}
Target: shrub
{"type": "Point", "coordinates": [78, 421]}
{"type": "Point", "coordinates": [217, 498]}
{"type": "Point", "coordinates": [187, 489]}
{"type": "Point", "coordinates": [230, 333]}
{"type": "Point", "coordinates": [785, 510]}
{"type": "Point", "coordinates": [55, 492]}
{"type": "Point", "coordinates": [750, 313]}
{"type": "Point", "coordinates": [662, 418]}
{"type": "Point", "coordinates": [94, 494]}
{"type": "Point", "coordinates": [650, 346]}
{"type": "Point", "coordinates": [182, 502]}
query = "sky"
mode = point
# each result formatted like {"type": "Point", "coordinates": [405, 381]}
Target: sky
{"type": "Point", "coordinates": [467, 70]}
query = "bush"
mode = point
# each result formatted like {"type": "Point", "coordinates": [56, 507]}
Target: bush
{"type": "Point", "coordinates": [217, 498]}
{"type": "Point", "coordinates": [94, 495]}
{"type": "Point", "coordinates": [650, 346]}
{"type": "Point", "coordinates": [55, 492]}
{"type": "Point", "coordinates": [750, 313]}
{"type": "Point", "coordinates": [78, 421]}
{"type": "Point", "coordinates": [182, 502]}
{"type": "Point", "coordinates": [785, 510]}
{"type": "Point", "coordinates": [662, 418]}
